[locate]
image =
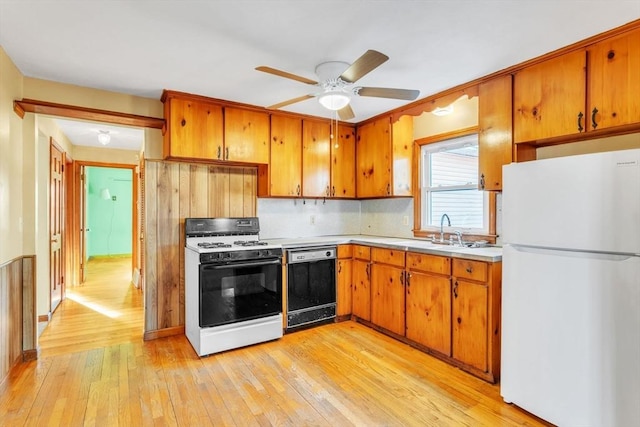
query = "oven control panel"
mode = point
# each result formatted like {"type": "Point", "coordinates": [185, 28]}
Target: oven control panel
{"type": "Point", "coordinates": [243, 255]}
{"type": "Point", "coordinates": [311, 254]}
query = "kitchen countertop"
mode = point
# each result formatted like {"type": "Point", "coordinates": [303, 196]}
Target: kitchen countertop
{"type": "Point", "coordinates": [487, 254]}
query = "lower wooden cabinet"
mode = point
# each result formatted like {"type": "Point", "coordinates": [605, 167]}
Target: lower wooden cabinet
{"type": "Point", "coordinates": [447, 306]}
{"type": "Point", "coordinates": [387, 289]}
{"type": "Point", "coordinates": [429, 311]}
{"type": "Point", "coordinates": [344, 280]}
{"type": "Point", "coordinates": [387, 297]}
{"type": "Point", "coordinates": [361, 282]}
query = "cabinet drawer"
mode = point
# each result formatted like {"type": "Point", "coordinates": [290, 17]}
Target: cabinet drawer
{"type": "Point", "coordinates": [345, 251]}
{"type": "Point", "coordinates": [388, 256]}
{"type": "Point", "coordinates": [361, 252]}
{"type": "Point", "coordinates": [429, 263]}
{"type": "Point", "coordinates": [473, 270]}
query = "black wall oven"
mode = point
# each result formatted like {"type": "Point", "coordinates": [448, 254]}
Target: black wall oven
{"type": "Point", "coordinates": [311, 285]}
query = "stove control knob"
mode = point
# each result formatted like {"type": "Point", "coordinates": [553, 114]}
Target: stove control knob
{"type": "Point", "coordinates": [328, 253]}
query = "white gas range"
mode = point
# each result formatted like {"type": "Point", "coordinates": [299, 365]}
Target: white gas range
{"type": "Point", "coordinates": [233, 284]}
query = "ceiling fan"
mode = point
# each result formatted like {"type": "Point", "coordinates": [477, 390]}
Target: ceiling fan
{"type": "Point", "coordinates": [336, 81]}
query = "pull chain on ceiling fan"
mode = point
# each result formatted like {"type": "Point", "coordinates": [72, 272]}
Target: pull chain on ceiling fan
{"type": "Point", "coordinates": [336, 81]}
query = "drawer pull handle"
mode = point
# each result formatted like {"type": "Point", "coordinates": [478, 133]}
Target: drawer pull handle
{"type": "Point", "coordinates": [469, 270]}
{"type": "Point", "coordinates": [593, 118]}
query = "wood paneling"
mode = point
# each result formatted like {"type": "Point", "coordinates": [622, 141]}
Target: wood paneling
{"type": "Point", "coordinates": [175, 191]}
{"type": "Point", "coordinates": [16, 298]}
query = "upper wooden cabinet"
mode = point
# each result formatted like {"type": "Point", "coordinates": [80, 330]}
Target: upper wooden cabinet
{"type": "Point", "coordinates": [246, 136]}
{"type": "Point", "coordinates": [495, 131]}
{"type": "Point", "coordinates": [549, 98]}
{"type": "Point", "coordinates": [194, 128]}
{"type": "Point", "coordinates": [343, 163]}
{"type": "Point", "coordinates": [316, 159]}
{"type": "Point", "coordinates": [614, 81]}
{"type": "Point", "coordinates": [286, 156]}
{"type": "Point", "coordinates": [384, 154]}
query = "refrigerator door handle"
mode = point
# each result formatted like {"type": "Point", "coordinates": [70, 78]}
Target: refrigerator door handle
{"type": "Point", "coordinates": [573, 253]}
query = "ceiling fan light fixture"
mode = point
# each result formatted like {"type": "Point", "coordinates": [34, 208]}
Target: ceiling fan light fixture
{"type": "Point", "coordinates": [334, 100]}
{"type": "Point", "coordinates": [103, 137]}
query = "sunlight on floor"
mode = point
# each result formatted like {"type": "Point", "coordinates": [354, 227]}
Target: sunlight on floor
{"type": "Point", "coordinates": [93, 306]}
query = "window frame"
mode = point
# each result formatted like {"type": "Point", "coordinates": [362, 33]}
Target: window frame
{"type": "Point", "coordinates": [427, 231]}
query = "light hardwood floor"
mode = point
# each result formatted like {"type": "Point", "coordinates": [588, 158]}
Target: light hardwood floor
{"type": "Point", "coordinates": [91, 372]}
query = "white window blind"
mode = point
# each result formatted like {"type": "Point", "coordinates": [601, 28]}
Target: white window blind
{"type": "Point", "coordinates": [450, 184]}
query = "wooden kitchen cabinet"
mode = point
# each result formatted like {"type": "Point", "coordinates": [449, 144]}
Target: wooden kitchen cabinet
{"type": "Point", "coordinates": [549, 98]}
{"type": "Point", "coordinates": [495, 142]}
{"type": "Point", "coordinates": [316, 159]}
{"type": "Point", "coordinates": [246, 136]}
{"type": "Point", "coordinates": [361, 282]}
{"type": "Point", "coordinates": [388, 289]}
{"type": "Point", "coordinates": [343, 163]}
{"type": "Point", "coordinates": [402, 159]}
{"type": "Point", "coordinates": [614, 81]}
{"type": "Point", "coordinates": [373, 154]}
{"type": "Point", "coordinates": [344, 280]}
{"type": "Point", "coordinates": [285, 167]}
{"type": "Point", "coordinates": [476, 315]}
{"type": "Point", "coordinates": [428, 301]}
{"type": "Point", "coordinates": [384, 153]}
{"type": "Point", "coordinates": [194, 128]}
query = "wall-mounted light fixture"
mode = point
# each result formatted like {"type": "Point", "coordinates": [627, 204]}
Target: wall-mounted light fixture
{"type": "Point", "coordinates": [443, 111]}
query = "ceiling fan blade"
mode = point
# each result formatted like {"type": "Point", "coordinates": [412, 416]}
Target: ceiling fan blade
{"type": "Point", "coordinates": [289, 102]}
{"type": "Point", "coordinates": [371, 60]}
{"type": "Point", "coordinates": [384, 92]}
{"type": "Point", "coordinates": [286, 75]}
{"type": "Point", "coordinates": [346, 113]}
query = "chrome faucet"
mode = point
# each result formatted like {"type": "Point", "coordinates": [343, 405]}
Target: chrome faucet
{"type": "Point", "coordinates": [442, 226]}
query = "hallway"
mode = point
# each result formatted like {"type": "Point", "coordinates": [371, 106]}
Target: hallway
{"type": "Point", "coordinates": [106, 310]}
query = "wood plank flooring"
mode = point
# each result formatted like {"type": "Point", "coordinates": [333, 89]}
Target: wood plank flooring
{"type": "Point", "coordinates": [333, 375]}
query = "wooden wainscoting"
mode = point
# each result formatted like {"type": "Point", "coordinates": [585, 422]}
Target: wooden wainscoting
{"type": "Point", "coordinates": [17, 313]}
{"type": "Point", "coordinates": [172, 192]}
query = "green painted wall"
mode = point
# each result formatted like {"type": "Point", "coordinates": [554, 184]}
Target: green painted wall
{"type": "Point", "coordinates": [109, 221]}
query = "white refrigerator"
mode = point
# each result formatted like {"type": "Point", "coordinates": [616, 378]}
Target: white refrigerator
{"type": "Point", "coordinates": [571, 288]}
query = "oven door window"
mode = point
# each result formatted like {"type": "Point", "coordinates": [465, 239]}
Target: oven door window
{"type": "Point", "coordinates": [311, 284]}
{"type": "Point", "coordinates": [242, 291]}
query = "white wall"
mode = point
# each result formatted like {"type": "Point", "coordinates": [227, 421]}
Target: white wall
{"type": "Point", "coordinates": [291, 218]}
{"type": "Point", "coordinates": [387, 217]}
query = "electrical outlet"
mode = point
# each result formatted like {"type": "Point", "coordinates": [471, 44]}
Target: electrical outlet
{"type": "Point", "coordinates": [405, 220]}
{"type": "Point", "coordinates": [113, 198]}
{"type": "Point", "coordinates": [312, 219]}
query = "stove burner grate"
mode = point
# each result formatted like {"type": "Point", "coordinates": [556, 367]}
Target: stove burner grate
{"type": "Point", "coordinates": [209, 245]}
{"type": "Point", "coordinates": [249, 243]}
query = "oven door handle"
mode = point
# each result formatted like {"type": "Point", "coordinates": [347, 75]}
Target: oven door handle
{"type": "Point", "coordinates": [276, 261]}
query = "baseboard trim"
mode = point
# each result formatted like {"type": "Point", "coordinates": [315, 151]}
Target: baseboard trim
{"type": "Point", "coordinates": [44, 317]}
{"type": "Point", "coordinates": [162, 333]}
{"type": "Point", "coordinates": [29, 355]}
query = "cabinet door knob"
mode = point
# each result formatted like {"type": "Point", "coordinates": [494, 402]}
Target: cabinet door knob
{"type": "Point", "coordinates": [298, 190]}
{"type": "Point", "coordinates": [469, 270]}
{"type": "Point", "coordinates": [455, 289]}
{"type": "Point", "coordinates": [226, 151]}
{"type": "Point", "coordinates": [183, 122]}
{"type": "Point", "coordinates": [580, 116]}
{"type": "Point", "coordinates": [482, 182]}
{"type": "Point", "coordinates": [219, 151]}
{"type": "Point", "coordinates": [593, 117]}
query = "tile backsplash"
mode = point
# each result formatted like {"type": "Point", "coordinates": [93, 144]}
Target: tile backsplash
{"type": "Point", "coordinates": [291, 218]}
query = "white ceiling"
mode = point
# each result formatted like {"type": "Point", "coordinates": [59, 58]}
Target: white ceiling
{"type": "Point", "coordinates": [212, 47]}
{"type": "Point", "coordinates": [86, 134]}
